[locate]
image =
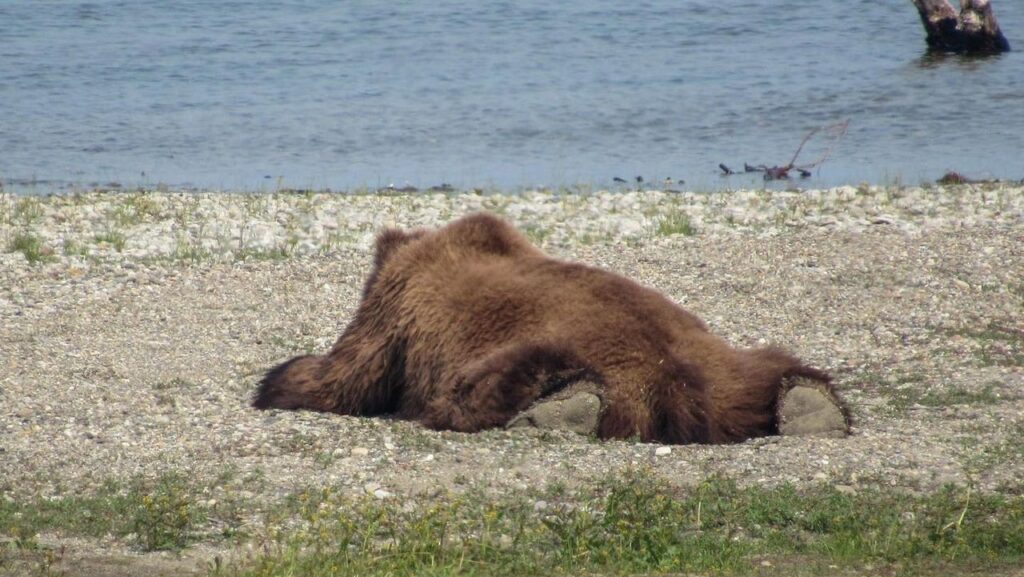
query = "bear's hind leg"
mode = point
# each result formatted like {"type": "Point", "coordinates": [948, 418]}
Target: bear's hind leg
{"type": "Point", "coordinates": [492, 391]}
{"type": "Point", "coordinates": [809, 406]}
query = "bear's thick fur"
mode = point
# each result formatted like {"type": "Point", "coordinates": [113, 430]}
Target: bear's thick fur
{"type": "Point", "coordinates": [463, 327]}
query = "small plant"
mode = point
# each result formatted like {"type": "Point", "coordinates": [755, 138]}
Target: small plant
{"type": "Point", "coordinates": [31, 246]}
{"type": "Point", "coordinates": [165, 515]}
{"type": "Point", "coordinates": [175, 383]}
{"type": "Point", "coordinates": [536, 234]}
{"type": "Point", "coordinates": [276, 253]}
{"type": "Point", "coordinates": [186, 250]}
{"type": "Point", "coordinates": [93, 515]}
{"type": "Point", "coordinates": [912, 392]}
{"type": "Point", "coordinates": [675, 222]}
{"type": "Point", "coordinates": [588, 238]}
{"type": "Point", "coordinates": [324, 459]}
{"type": "Point", "coordinates": [45, 560]}
{"type": "Point", "coordinates": [72, 248]}
{"type": "Point", "coordinates": [636, 523]}
{"type": "Point", "coordinates": [135, 209]}
{"type": "Point", "coordinates": [28, 210]}
{"type": "Point", "coordinates": [996, 344]}
{"type": "Point", "coordinates": [114, 238]}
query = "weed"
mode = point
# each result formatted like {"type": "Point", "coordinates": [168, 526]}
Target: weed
{"type": "Point", "coordinates": [72, 248]}
{"type": "Point", "coordinates": [1018, 291]}
{"type": "Point", "coordinates": [337, 239]}
{"type": "Point", "coordinates": [589, 239]}
{"type": "Point", "coordinates": [31, 246]}
{"type": "Point", "coordinates": [28, 210]}
{"type": "Point", "coordinates": [943, 396]}
{"type": "Point", "coordinates": [164, 516]}
{"type": "Point", "coordinates": [280, 252]}
{"type": "Point", "coordinates": [175, 383]}
{"type": "Point", "coordinates": [187, 250]}
{"type": "Point", "coordinates": [998, 344]}
{"type": "Point", "coordinates": [675, 222]}
{"type": "Point", "coordinates": [25, 553]}
{"type": "Point", "coordinates": [91, 516]}
{"type": "Point", "coordinates": [114, 238]}
{"type": "Point", "coordinates": [304, 343]}
{"type": "Point", "coordinates": [324, 459]}
{"type": "Point", "coordinates": [135, 209]}
{"type": "Point", "coordinates": [980, 457]}
{"type": "Point", "coordinates": [160, 514]}
{"type": "Point", "coordinates": [537, 234]}
{"type": "Point", "coordinates": [637, 524]}
{"type": "Point", "coordinates": [256, 205]}
{"type": "Point", "coordinates": [417, 438]}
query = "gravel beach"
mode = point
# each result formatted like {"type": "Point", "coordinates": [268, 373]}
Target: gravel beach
{"type": "Point", "coordinates": [134, 326]}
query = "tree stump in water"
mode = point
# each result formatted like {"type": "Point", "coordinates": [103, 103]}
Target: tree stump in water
{"type": "Point", "coordinates": [973, 31]}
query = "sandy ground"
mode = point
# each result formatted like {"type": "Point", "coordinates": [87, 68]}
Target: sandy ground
{"type": "Point", "coordinates": [116, 367]}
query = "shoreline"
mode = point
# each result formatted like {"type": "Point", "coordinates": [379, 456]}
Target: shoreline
{"type": "Point", "coordinates": [136, 326]}
{"type": "Point", "coordinates": [106, 225]}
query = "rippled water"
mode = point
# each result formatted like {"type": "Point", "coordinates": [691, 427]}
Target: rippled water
{"type": "Point", "coordinates": [356, 93]}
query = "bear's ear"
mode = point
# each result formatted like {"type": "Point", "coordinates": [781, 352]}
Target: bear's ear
{"type": "Point", "coordinates": [389, 241]}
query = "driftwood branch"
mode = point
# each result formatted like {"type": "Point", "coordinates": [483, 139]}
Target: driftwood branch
{"type": "Point", "coordinates": [835, 133]}
{"type": "Point", "coordinates": [973, 31]}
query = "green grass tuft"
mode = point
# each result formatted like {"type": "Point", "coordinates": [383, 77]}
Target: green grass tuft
{"type": "Point", "coordinates": [158, 515]}
{"type": "Point", "coordinates": [909, 395]}
{"type": "Point", "coordinates": [675, 222]}
{"type": "Point", "coordinates": [72, 248]}
{"type": "Point", "coordinates": [114, 238]}
{"type": "Point", "coordinates": [193, 253]}
{"type": "Point", "coordinates": [163, 516]}
{"type": "Point", "coordinates": [997, 344]}
{"type": "Point", "coordinates": [638, 525]}
{"type": "Point", "coordinates": [28, 210]}
{"type": "Point", "coordinates": [634, 524]}
{"type": "Point", "coordinates": [537, 234]}
{"type": "Point", "coordinates": [31, 246]}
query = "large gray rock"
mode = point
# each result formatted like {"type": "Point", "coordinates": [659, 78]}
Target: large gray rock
{"type": "Point", "coordinates": [576, 408]}
{"type": "Point", "coordinates": [810, 409]}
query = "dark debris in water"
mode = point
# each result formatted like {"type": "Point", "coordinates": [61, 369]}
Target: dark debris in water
{"type": "Point", "coordinates": [833, 132]}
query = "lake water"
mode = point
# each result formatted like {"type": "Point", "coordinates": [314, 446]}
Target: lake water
{"type": "Point", "coordinates": [248, 94]}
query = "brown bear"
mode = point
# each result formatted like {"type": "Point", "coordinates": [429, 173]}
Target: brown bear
{"type": "Point", "coordinates": [464, 327]}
